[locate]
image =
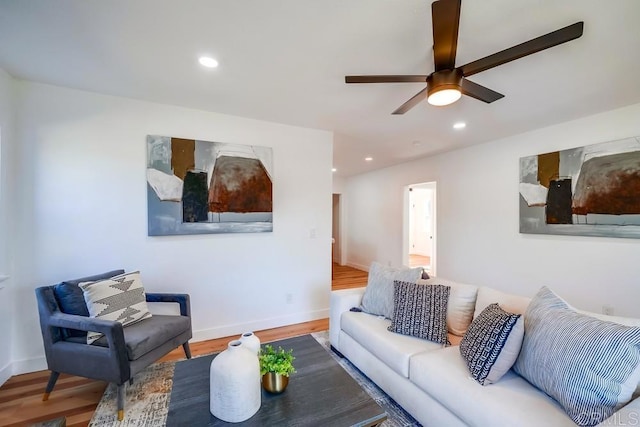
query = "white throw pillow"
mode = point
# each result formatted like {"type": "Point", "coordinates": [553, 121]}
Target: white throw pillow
{"type": "Point", "coordinates": [462, 302]}
{"type": "Point", "coordinates": [120, 298]}
{"type": "Point", "coordinates": [378, 295]}
{"type": "Point", "coordinates": [509, 302]}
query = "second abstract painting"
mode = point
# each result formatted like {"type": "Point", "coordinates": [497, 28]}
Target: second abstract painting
{"type": "Point", "coordinates": [591, 191]}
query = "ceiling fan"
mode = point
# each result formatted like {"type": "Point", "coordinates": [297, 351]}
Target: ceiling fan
{"type": "Point", "coordinates": [448, 83]}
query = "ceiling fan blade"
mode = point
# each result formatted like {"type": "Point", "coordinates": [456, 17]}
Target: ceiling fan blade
{"type": "Point", "coordinates": [480, 92]}
{"type": "Point", "coordinates": [555, 38]}
{"type": "Point", "coordinates": [420, 96]}
{"type": "Point", "coordinates": [385, 79]}
{"type": "Point", "coordinates": [445, 15]}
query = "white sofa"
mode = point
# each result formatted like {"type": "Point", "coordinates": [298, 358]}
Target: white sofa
{"type": "Point", "coordinates": [433, 383]}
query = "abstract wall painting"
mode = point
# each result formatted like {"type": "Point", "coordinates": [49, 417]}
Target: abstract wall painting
{"type": "Point", "coordinates": [589, 191]}
{"type": "Point", "coordinates": [200, 187]}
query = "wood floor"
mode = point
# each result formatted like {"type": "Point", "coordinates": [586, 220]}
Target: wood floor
{"type": "Point", "coordinates": [346, 277]}
{"type": "Point", "coordinates": [419, 260]}
{"type": "Point", "coordinates": [76, 398]}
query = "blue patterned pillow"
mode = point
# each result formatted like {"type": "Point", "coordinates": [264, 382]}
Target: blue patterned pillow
{"type": "Point", "coordinates": [492, 343]}
{"type": "Point", "coordinates": [420, 311]}
{"type": "Point", "coordinates": [589, 366]}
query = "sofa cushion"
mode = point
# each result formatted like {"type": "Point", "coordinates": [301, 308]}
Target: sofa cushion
{"type": "Point", "coordinates": [420, 311]}
{"type": "Point", "coordinates": [509, 302]}
{"type": "Point", "coordinates": [591, 367]}
{"type": "Point", "coordinates": [394, 350]}
{"type": "Point", "coordinates": [71, 299]}
{"type": "Point", "coordinates": [462, 302]}
{"type": "Point", "coordinates": [378, 295]}
{"type": "Point", "coordinates": [120, 298]}
{"type": "Point", "coordinates": [512, 401]}
{"type": "Point", "coordinates": [491, 345]}
{"type": "Point", "coordinates": [148, 334]}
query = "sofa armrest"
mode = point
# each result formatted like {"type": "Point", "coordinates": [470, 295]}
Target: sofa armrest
{"type": "Point", "coordinates": [628, 415]}
{"type": "Point", "coordinates": [340, 302]}
{"type": "Point", "coordinates": [66, 356]}
{"type": "Point", "coordinates": [111, 329]}
{"type": "Point", "coordinates": [182, 299]}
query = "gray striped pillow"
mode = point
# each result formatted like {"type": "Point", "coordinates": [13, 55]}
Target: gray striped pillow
{"type": "Point", "coordinates": [378, 295]}
{"type": "Point", "coordinates": [591, 367]}
{"type": "Point", "coordinates": [420, 311]}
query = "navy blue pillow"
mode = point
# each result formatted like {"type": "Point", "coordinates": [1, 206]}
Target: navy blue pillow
{"type": "Point", "coordinates": [71, 299]}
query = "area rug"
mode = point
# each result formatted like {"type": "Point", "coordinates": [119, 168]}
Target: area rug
{"type": "Point", "coordinates": [148, 399]}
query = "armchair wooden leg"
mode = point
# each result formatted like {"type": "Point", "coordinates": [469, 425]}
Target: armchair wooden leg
{"type": "Point", "coordinates": [187, 350]}
{"type": "Point", "coordinates": [52, 382]}
{"type": "Point", "coordinates": [122, 388]}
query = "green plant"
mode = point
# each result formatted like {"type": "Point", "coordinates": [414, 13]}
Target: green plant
{"type": "Point", "coordinates": [278, 361]}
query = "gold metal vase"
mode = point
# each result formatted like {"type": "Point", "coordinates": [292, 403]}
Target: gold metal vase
{"type": "Point", "coordinates": [274, 383]}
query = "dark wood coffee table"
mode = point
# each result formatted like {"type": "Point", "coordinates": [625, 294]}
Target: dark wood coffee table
{"type": "Point", "coordinates": [321, 393]}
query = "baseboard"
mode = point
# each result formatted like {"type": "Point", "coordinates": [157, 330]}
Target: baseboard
{"type": "Point", "coordinates": [5, 373]}
{"type": "Point", "coordinates": [40, 363]}
{"type": "Point", "coordinates": [358, 266]}
{"type": "Point", "coordinates": [28, 365]}
{"type": "Point", "coordinates": [259, 325]}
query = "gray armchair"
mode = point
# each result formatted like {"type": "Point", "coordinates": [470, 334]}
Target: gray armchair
{"type": "Point", "coordinates": [121, 353]}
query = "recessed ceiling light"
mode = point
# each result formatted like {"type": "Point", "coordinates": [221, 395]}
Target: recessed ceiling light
{"type": "Point", "coordinates": [416, 143]}
{"type": "Point", "coordinates": [334, 170]}
{"type": "Point", "coordinates": [459, 125]}
{"type": "Point", "coordinates": [208, 62]}
{"type": "Point", "coordinates": [368, 159]}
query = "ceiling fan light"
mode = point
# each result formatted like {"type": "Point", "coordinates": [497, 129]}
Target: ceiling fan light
{"type": "Point", "coordinates": [444, 97]}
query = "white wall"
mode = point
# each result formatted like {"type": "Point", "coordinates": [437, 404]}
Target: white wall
{"type": "Point", "coordinates": [83, 210]}
{"type": "Point", "coordinates": [6, 176]}
{"type": "Point", "coordinates": [477, 214]}
{"type": "Point", "coordinates": [339, 184]}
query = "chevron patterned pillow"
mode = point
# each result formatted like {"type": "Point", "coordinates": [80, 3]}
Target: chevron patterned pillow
{"type": "Point", "coordinates": [492, 343]}
{"type": "Point", "coordinates": [120, 298]}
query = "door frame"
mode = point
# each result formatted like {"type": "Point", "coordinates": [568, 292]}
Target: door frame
{"type": "Point", "coordinates": [406, 226]}
{"type": "Point", "coordinates": [337, 229]}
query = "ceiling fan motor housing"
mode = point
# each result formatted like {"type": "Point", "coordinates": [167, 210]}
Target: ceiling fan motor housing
{"type": "Point", "coordinates": [445, 79]}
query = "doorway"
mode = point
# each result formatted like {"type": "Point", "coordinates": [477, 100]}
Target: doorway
{"type": "Point", "coordinates": [420, 236]}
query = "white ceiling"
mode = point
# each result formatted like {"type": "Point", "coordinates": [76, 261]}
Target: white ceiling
{"type": "Point", "coordinates": [285, 61]}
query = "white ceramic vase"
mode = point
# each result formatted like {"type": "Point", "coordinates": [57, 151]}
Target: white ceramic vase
{"type": "Point", "coordinates": [251, 342]}
{"type": "Point", "coordinates": [235, 384]}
